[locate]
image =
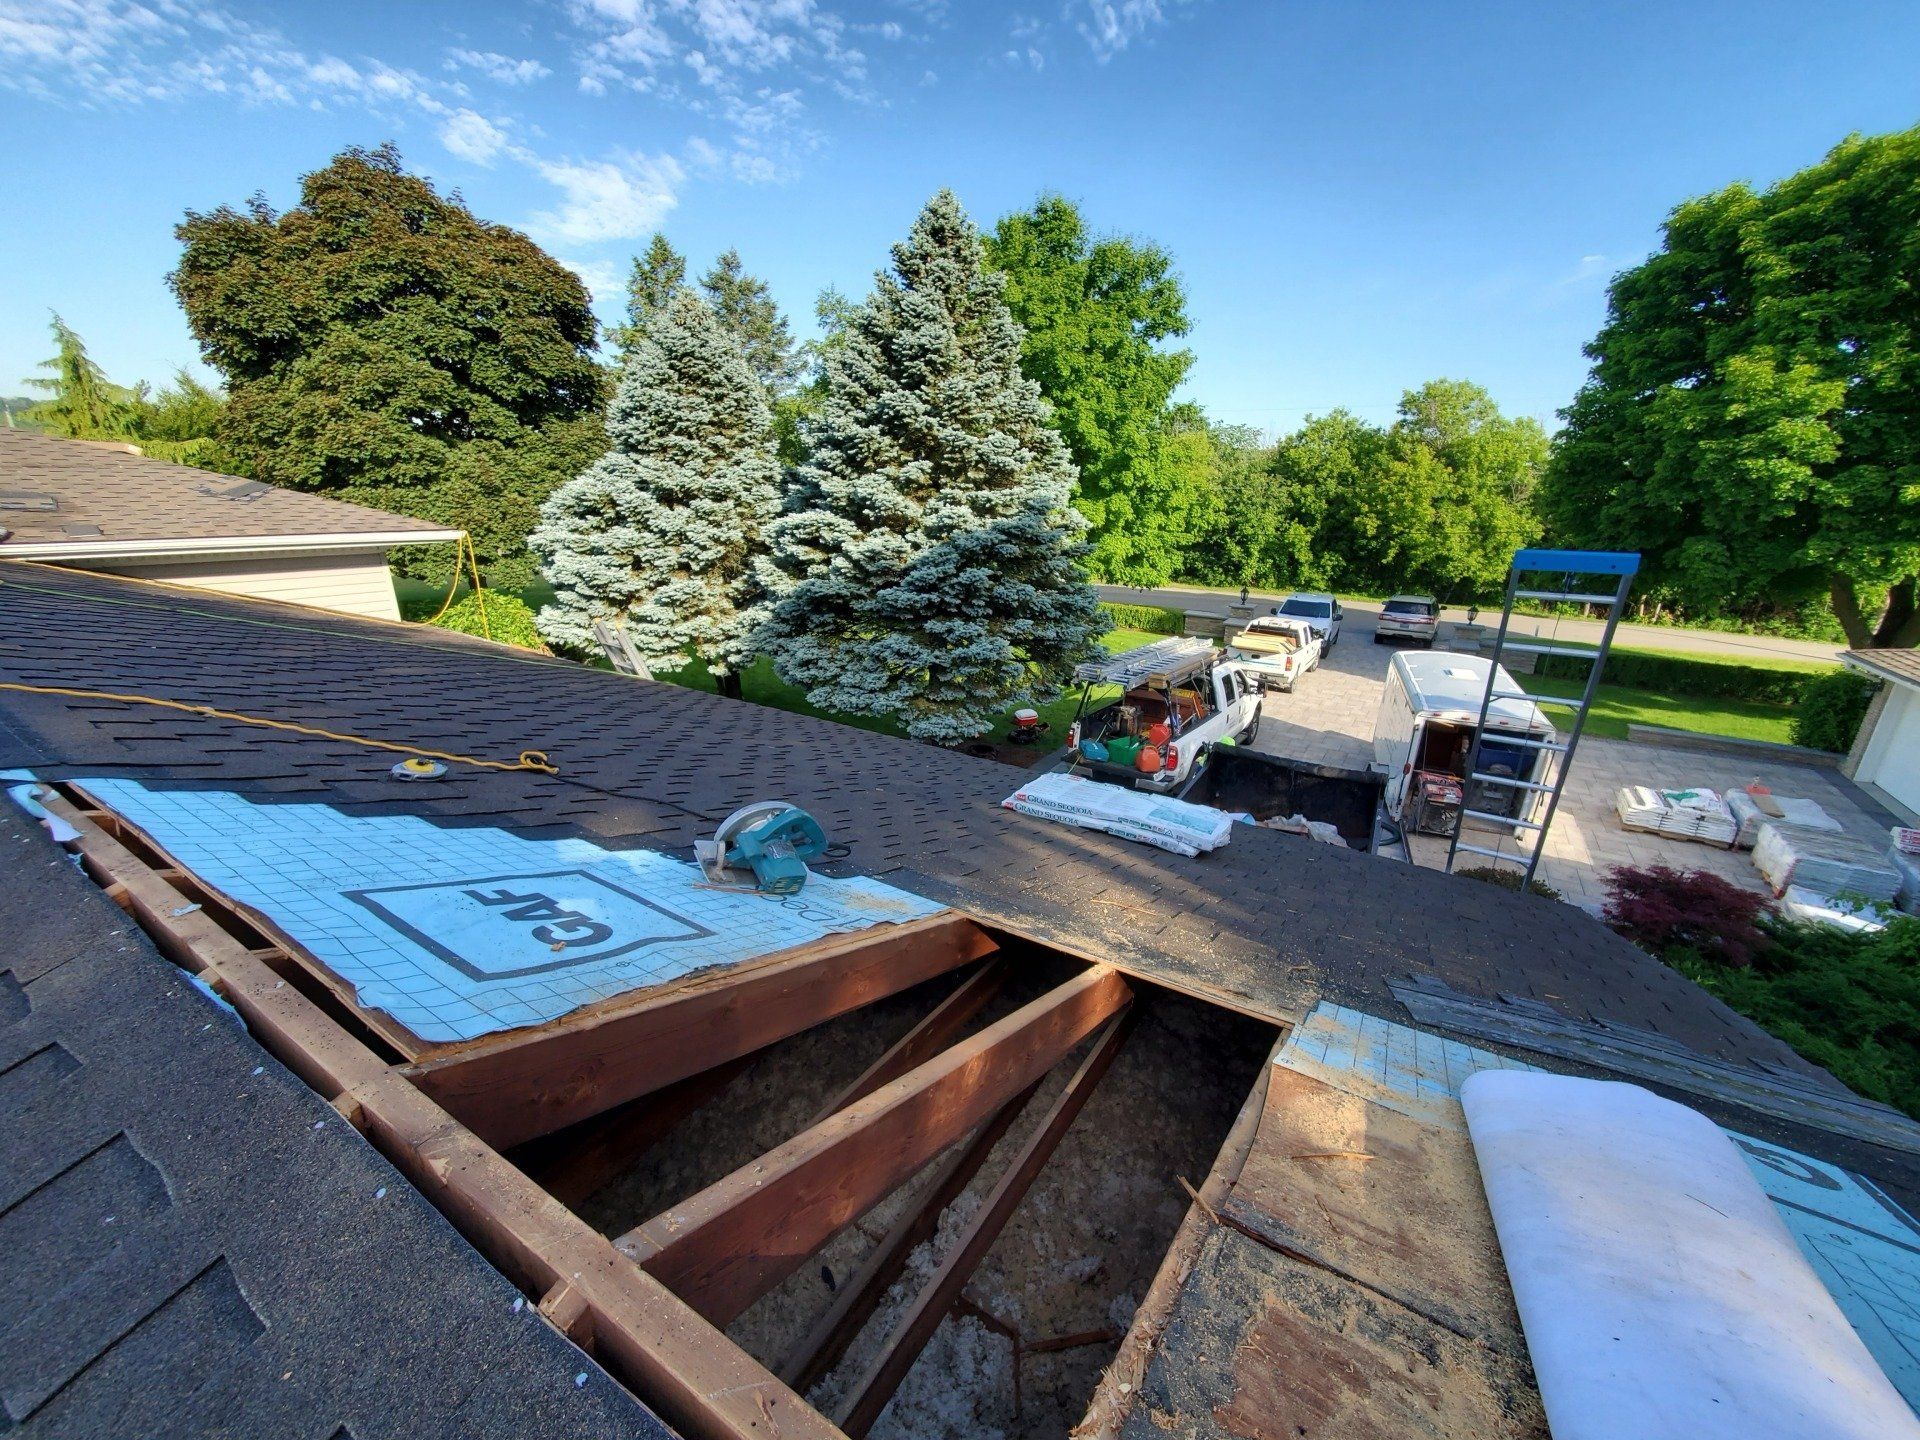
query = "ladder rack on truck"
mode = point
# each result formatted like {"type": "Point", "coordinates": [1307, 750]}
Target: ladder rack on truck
{"type": "Point", "coordinates": [1132, 667]}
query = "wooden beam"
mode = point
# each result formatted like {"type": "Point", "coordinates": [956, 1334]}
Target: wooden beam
{"type": "Point", "coordinates": [699, 1381]}
{"type": "Point", "coordinates": [737, 1239]}
{"type": "Point", "coordinates": [510, 1088]}
{"type": "Point", "coordinates": [861, 1292]}
{"type": "Point", "coordinates": [864, 1403]}
{"type": "Point", "coordinates": [925, 1040]}
{"type": "Point", "coordinates": [1126, 1372]}
{"type": "Point", "coordinates": [572, 1164]}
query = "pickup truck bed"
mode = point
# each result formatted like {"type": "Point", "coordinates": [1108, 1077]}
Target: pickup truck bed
{"type": "Point", "coordinates": [1236, 778]}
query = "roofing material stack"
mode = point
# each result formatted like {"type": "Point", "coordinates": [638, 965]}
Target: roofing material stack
{"type": "Point", "coordinates": [1172, 825]}
{"type": "Point", "coordinates": [1682, 814]}
{"type": "Point", "coordinates": [1904, 856]}
{"type": "Point", "coordinates": [1748, 815]}
{"type": "Point", "coordinates": [1822, 862]}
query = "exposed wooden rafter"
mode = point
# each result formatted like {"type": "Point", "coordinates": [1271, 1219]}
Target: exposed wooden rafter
{"type": "Point", "coordinates": [863, 1404]}
{"type": "Point", "coordinates": [725, 1247]}
{"type": "Point", "coordinates": [525, 1083]}
{"type": "Point", "coordinates": [861, 1292]}
{"type": "Point", "coordinates": [926, 1039]}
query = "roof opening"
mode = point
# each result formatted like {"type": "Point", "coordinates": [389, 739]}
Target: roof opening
{"type": "Point", "coordinates": [27, 500]}
{"type": "Point", "coordinates": [923, 1178]}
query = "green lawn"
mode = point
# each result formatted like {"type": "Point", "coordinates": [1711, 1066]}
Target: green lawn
{"type": "Point", "coordinates": [1793, 663]}
{"type": "Point", "coordinates": [763, 687]}
{"type": "Point", "coordinates": [1616, 706]}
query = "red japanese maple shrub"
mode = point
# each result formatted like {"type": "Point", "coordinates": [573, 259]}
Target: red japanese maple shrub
{"type": "Point", "coordinates": [1659, 908]}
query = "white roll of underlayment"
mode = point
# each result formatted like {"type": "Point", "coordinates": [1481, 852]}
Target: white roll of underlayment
{"type": "Point", "coordinates": [1661, 1295]}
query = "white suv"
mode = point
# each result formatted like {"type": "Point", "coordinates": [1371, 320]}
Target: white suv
{"type": "Point", "coordinates": [1409, 617]}
{"type": "Point", "coordinates": [1318, 609]}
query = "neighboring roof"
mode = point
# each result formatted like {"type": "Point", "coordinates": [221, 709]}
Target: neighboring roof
{"type": "Point", "coordinates": [71, 500]}
{"type": "Point", "coordinates": [192, 1242]}
{"type": "Point", "coordinates": [1900, 666]}
{"type": "Point", "coordinates": [1454, 684]}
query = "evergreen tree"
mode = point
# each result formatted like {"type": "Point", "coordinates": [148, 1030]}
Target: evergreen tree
{"type": "Point", "coordinates": [661, 530]}
{"type": "Point", "coordinates": [746, 307]}
{"type": "Point", "coordinates": [929, 565]}
{"type": "Point", "coordinates": [655, 277]}
{"type": "Point", "coordinates": [81, 403]}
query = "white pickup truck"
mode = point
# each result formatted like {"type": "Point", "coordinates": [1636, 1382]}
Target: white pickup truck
{"type": "Point", "coordinates": [1177, 697]}
{"type": "Point", "coordinates": [1277, 648]}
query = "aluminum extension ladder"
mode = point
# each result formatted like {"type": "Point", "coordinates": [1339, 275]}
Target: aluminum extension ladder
{"type": "Point", "coordinates": [1568, 569]}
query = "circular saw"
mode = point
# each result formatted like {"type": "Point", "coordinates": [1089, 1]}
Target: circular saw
{"type": "Point", "coordinates": [764, 846]}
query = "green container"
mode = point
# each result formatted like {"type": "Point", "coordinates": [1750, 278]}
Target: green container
{"type": "Point", "coordinates": [1124, 750]}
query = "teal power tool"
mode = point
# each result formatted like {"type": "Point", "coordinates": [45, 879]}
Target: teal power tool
{"type": "Point", "coordinates": [770, 838]}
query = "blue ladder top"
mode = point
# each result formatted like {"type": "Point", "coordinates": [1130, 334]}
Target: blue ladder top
{"type": "Point", "coordinates": [1578, 562]}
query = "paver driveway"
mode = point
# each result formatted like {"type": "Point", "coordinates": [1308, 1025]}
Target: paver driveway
{"type": "Point", "coordinates": [1329, 720]}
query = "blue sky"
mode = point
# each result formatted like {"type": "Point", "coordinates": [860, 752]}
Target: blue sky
{"type": "Point", "coordinates": [1360, 196]}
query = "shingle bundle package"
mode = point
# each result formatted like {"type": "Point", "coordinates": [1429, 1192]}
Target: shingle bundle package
{"type": "Point", "coordinates": [1175, 825]}
{"type": "Point", "coordinates": [1696, 814]}
{"type": "Point", "coordinates": [1823, 862]}
{"type": "Point", "coordinates": [1748, 815]}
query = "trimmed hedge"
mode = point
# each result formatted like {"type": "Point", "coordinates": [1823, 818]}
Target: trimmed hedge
{"type": "Point", "coordinates": [1683, 675]}
{"type": "Point", "coordinates": [1831, 709]}
{"type": "Point", "coordinates": [1151, 618]}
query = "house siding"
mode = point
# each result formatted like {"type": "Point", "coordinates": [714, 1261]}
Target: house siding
{"type": "Point", "coordinates": [1892, 757]}
{"type": "Point", "coordinates": [354, 583]}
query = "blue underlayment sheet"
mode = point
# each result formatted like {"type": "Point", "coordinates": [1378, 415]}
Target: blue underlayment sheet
{"type": "Point", "coordinates": [458, 933]}
{"type": "Point", "coordinates": [1863, 1246]}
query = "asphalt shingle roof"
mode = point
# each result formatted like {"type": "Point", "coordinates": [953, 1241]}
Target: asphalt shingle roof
{"type": "Point", "coordinates": [1901, 665]}
{"type": "Point", "coordinates": [1270, 924]}
{"type": "Point", "coordinates": [125, 497]}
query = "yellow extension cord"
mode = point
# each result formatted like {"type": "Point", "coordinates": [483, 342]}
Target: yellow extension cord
{"type": "Point", "coordinates": [529, 759]}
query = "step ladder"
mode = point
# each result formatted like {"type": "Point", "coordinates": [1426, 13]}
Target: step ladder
{"type": "Point", "coordinates": [1569, 576]}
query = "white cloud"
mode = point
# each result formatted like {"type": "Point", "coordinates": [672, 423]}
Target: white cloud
{"type": "Point", "coordinates": [472, 137]}
{"type": "Point", "coordinates": [618, 199]}
{"type": "Point", "coordinates": [1112, 25]}
{"type": "Point", "coordinates": [604, 280]}
{"type": "Point", "coordinates": [503, 69]}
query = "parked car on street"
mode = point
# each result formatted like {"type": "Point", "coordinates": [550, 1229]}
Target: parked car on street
{"type": "Point", "coordinates": [1278, 650]}
{"type": "Point", "coordinates": [1409, 617]}
{"type": "Point", "coordinates": [1318, 609]}
{"type": "Point", "coordinates": [1178, 697]}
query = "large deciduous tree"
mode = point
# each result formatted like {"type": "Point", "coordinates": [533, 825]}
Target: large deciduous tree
{"type": "Point", "coordinates": [1097, 312]}
{"type": "Point", "coordinates": [382, 344]}
{"type": "Point", "coordinates": [1752, 419]}
{"type": "Point", "coordinates": [661, 531]}
{"type": "Point", "coordinates": [929, 563]}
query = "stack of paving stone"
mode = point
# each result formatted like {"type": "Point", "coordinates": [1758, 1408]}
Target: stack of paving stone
{"type": "Point", "coordinates": [1823, 862]}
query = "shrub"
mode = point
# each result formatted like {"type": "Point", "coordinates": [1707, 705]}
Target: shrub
{"type": "Point", "coordinates": [1509, 880]}
{"type": "Point", "coordinates": [1849, 1002]}
{"type": "Point", "coordinates": [1154, 619]}
{"type": "Point", "coordinates": [1686, 675]}
{"type": "Point", "coordinates": [1660, 908]}
{"type": "Point", "coordinates": [509, 619]}
{"type": "Point", "coordinates": [1830, 711]}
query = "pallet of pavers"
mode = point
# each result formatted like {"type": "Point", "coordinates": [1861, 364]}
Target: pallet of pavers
{"type": "Point", "coordinates": [1904, 855]}
{"type": "Point", "coordinates": [1824, 862]}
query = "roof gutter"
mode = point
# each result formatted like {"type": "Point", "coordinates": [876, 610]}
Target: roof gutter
{"type": "Point", "coordinates": [214, 547]}
{"type": "Point", "coordinates": [1854, 660]}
